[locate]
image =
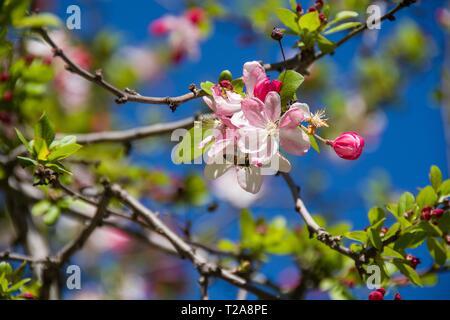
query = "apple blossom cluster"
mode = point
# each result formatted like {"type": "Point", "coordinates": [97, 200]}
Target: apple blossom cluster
{"type": "Point", "coordinates": [251, 129]}
{"type": "Point", "coordinates": [184, 33]}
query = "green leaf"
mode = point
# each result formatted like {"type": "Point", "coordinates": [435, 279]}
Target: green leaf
{"type": "Point", "coordinates": [360, 236]}
{"type": "Point", "coordinates": [427, 197]}
{"type": "Point", "coordinates": [389, 252]}
{"type": "Point", "coordinates": [343, 15]}
{"type": "Point", "coordinates": [288, 18]}
{"type": "Point", "coordinates": [44, 130]}
{"type": "Point", "coordinates": [292, 80]}
{"type": "Point", "coordinates": [238, 85]}
{"type": "Point", "coordinates": [444, 190]}
{"type": "Point", "coordinates": [226, 245]}
{"type": "Point", "coordinates": [207, 87]}
{"type": "Point", "coordinates": [313, 142]}
{"type": "Point", "coordinates": [247, 225]}
{"type": "Point", "coordinates": [374, 237]}
{"type": "Point", "coordinates": [18, 285]}
{"type": "Point", "coordinates": [408, 272]}
{"type": "Point", "coordinates": [310, 21]}
{"type": "Point", "coordinates": [325, 45]}
{"type": "Point", "coordinates": [23, 140]}
{"type": "Point", "coordinates": [435, 177]}
{"type": "Point", "coordinates": [392, 231]}
{"type": "Point", "coordinates": [58, 167]}
{"type": "Point", "coordinates": [342, 27]}
{"type": "Point", "coordinates": [374, 234]}
{"type": "Point", "coordinates": [52, 215]}
{"type": "Point", "coordinates": [375, 214]}
{"type": "Point", "coordinates": [405, 203]}
{"type": "Point", "coordinates": [410, 239]}
{"type": "Point", "coordinates": [27, 162]}
{"type": "Point", "coordinates": [5, 268]}
{"type": "Point", "coordinates": [437, 251]}
{"type": "Point", "coordinates": [38, 21]}
{"type": "Point", "coordinates": [188, 149]}
{"type": "Point", "coordinates": [64, 151]}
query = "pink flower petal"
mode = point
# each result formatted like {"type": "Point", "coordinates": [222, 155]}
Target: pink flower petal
{"type": "Point", "coordinates": [253, 73]}
{"type": "Point", "coordinates": [254, 111]}
{"type": "Point", "coordinates": [294, 140]}
{"type": "Point", "coordinates": [273, 106]}
{"type": "Point", "coordinates": [296, 114]}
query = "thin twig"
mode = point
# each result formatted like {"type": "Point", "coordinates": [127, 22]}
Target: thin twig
{"type": "Point", "coordinates": [122, 96]}
{"type": "Point", "coordinates": [301, 63]}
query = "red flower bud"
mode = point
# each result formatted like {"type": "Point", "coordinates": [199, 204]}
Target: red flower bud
{"type": "Point", "coordinates": [8, 96]}
{"type": "Point", "coordinates": [426, 214]}
{"type": "Point", "coordinates": [319, 4]}
{"type": "Point", "coordinates": [349, 145]}
{"type": "Point", "coordinates": [397, 296]}
{"type": "Point", "coordinates": [376, 295]}
{"type": "Point", "coordinates": [226, 84]}
{"type": "Point", "coordinates": [195, 15]}
{"type": "Point", "coordinates": [4, 76]}
{"type": "Point", "coordinates": [299, 9]}
{"type": "Point", "coordinates": [437, 212]}
{"type": "Point", "coordinates": [264, 86]}
{"type": "Point", "coordinates": [312, 9]}
{"type": "Point", "coordinates": [413, 261]}
{"type": "Point", "coordinates": [5, 118]}
{"type": "Point", "coordinates": [382, 291]}
{"type": "Point", "coordinates": [158, 27]}
{"type": "Point", "coordinates": [29, 58]}
{"type": "Point", "coordinates": [27, 295]}
{"type": "Point", "coordinates": [323, 18]}
{"type": "Point", "coordinates": [277, 34]}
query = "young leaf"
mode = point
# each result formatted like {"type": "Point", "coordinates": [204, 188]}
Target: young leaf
{"type": "Point", "coordinates": [64, 151]}
{"type": "Point", "coordinates": [238, 85]}
{"type": "Point", "coordinates": [342, 27]}
{"type": "Point", "coordinates": [27, 162]}
{"type": "Point", "coordinates": [360, 236]}
{"type": "Point", "coordinates": [325, 45]}
{"type": "Point", "coordinates": [375, 214]}
{"type": "Point", "coordinates": [435, 177]}
{"type": "Point", "coordinates": [409, 272]}
{"type": "Point", "coordinates": [313, 142]}
{"type": "Point", "coordinates": [207, 87]}
{"type": "Point", "coordinates": [52, 215]}
{"type": "Point", "coordinates": [426, 198]}
{"type": "Point", "coordinates": [247, 224]}
{"type": "Point", "coordinates": [23, 140]}
{"type": "Point", "coordinates": [343, 15]}
{"type": "Point", "coordinates": [437, 251]}
{"type": "Point", "coordinates": [405, 203]}
{"type": "Point", "coordinates": [44, 130]}
{"type": "Point", "coordinates": [292, 80]}
{"type": "Point", "coordinates": [444, 189]}
{"type": "Point", "coordinates": [310, 21]}
{"type": "Point", "coordinates": [38, 21]}
{"type": "Point", "coordinates": [389, 252]}
{"type": "Point", "coordinates": [288, 18]}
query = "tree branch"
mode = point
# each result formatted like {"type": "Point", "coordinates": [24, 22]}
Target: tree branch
{"type": "Point", "coordinates": [313, 227]}
{"type": "Point", "coordinates": [301, 62]}
{"type": "Point", "coordinates": [185, 250]}
{"type": "Point", "coordinates": [76, 244]}
{"type": "Point", "coordinates": [122, 96]}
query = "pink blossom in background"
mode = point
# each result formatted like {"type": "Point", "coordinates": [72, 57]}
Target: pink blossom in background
{"type": "Point", "coordinates": [184, 34]}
